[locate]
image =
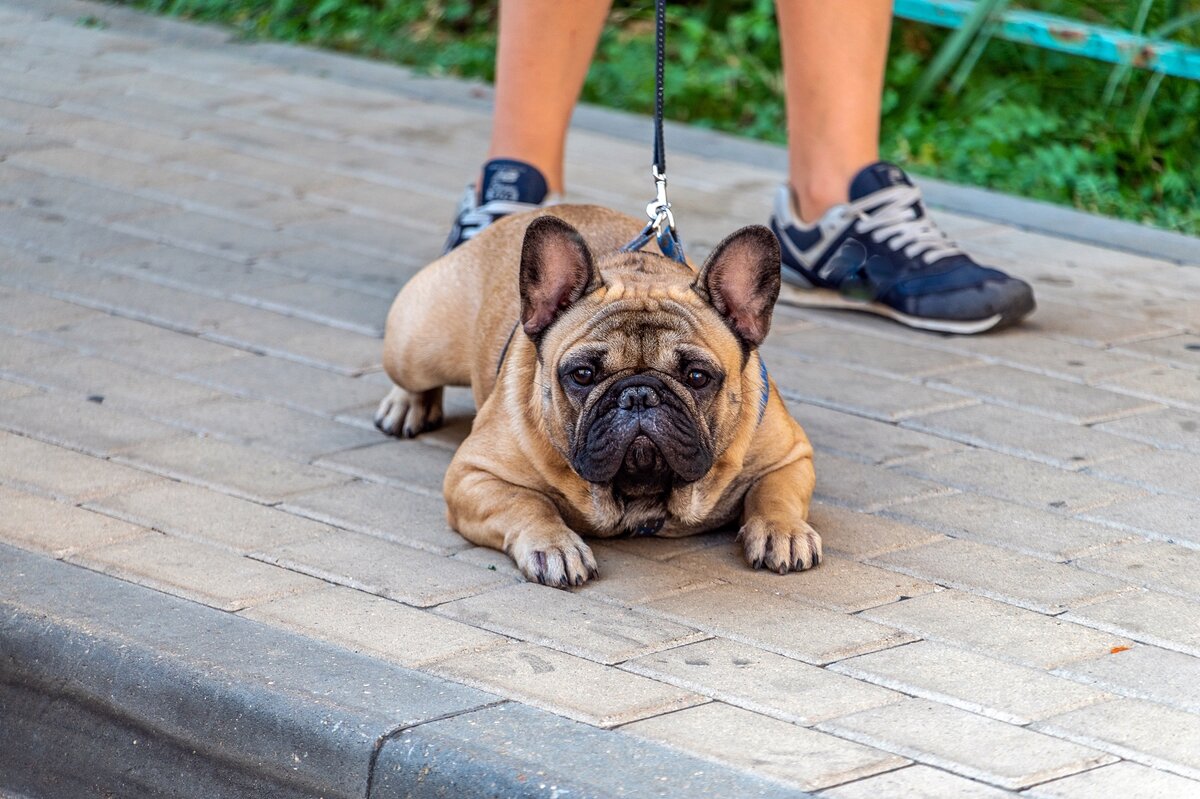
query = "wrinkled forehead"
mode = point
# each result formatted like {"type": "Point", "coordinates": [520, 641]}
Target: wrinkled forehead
{"type": "Point", "coordinates": [646, 332]}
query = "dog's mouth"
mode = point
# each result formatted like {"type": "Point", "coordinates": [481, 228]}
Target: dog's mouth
{"type": "Point", "coordinates": [641, 434]}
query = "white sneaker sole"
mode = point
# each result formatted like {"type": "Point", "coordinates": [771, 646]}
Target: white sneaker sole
{"type": "Point", "coordinates": [830, 299]}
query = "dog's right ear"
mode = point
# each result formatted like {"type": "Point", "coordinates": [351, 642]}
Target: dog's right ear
{"type": "Point", "coordinates": [556, 270]}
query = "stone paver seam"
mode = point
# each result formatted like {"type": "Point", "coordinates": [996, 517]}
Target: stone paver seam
{"type": "Point", "coordinates": [1171, 402]}
{"type": "Point", "coordinates": [1111, 416]}
{"type": "Point", "coordinates": [191, 430]}
{"type": "Point", "coordinates": [1047, 727]}
{"type": "Point", "coordinates": [178, 164]}
{"type": "Point", "coordinates": [1136, 534]}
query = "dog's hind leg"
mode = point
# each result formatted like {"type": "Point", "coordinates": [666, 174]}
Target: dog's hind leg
{"type": "Point", "coordinates": [407, 414]}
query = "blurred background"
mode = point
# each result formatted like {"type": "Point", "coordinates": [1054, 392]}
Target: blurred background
{"type": "Point", "coordinates": [1094, 105]}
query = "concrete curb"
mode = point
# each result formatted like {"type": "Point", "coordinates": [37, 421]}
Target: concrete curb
{"type": "Point", "coordinates": [111, 689]}
{"type": "Point", "coordinates": [1032, 215]}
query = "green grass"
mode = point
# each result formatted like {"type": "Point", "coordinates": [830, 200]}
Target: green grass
{"type": "Point", "coordinates": [1122, 143]}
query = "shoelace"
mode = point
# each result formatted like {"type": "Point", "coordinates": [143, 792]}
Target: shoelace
{"type": "Point", "coordinates": [473, 220]}
{"type": "Point", "coordinates": [890, 217]}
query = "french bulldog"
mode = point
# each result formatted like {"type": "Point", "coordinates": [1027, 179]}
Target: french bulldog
{"type": "Point", "coordinates": [618, 393]}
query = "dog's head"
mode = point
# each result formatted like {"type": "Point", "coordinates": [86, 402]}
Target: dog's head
{"type": "Point", "coordinates": [645, 364]}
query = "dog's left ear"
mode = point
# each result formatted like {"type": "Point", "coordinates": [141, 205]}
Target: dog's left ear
{"type": "Point", "coordinates": [556, 270]}
{"type": "Point", "coordinates": [741, 280]}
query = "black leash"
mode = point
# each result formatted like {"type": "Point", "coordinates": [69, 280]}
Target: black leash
{"type": "Point", "coordinates": [662, 221]}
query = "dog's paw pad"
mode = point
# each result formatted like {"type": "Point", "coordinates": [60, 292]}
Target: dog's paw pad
{"type": "Point", "coordinates": [562, 562]}
{"type": "Point", "coordinates": [406, 415]}
{"type": "Point", "coordinates": [795, 547]}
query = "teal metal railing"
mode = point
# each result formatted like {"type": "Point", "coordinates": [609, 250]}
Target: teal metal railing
{"type": "Point", "coordinates": [1065, 35]}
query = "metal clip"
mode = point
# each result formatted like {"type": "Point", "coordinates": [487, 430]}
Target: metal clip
{"type": "Point", "coordinates": [659, 209]}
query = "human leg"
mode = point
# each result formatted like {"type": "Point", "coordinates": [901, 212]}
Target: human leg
{"type": "Point", "coordinates": [542, 58]}
{"type": "Point", "coordinates": [833, 61]}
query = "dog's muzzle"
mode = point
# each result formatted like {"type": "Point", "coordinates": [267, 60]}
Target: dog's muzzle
{"type": "Point", "coordinates": [641, 430]}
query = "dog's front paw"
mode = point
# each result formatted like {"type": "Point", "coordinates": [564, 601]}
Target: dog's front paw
{"type": "Point", "coordinates": [560, 559]}
{"type": "Point", "coordinates": [781, 548]}
{"type": "Point", "coordinates": [406, 415]}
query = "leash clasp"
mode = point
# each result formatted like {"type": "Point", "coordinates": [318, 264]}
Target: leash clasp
{"type": "Point", "coordinates": [659, 209]}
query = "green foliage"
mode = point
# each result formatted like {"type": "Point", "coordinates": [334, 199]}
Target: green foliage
{"type": "Point", "coordinates": [1115, 141]}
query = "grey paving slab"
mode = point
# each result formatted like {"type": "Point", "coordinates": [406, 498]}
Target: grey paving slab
{"type": "Point", "coordinates": [211, 517]}
{"type": "Point", "coordinates": [995, 629]}
{"type": "Point", "coordinates": [196, 571]}
{"type": "Point", "coordinates": [1018, 579]}
{"type": "Point", "coordinates": [236, 470]}
{"type": "Point", "coordinates": [20, 351]}
{"type": "Point", "coordinates": [1027, 350]}
{"type": "Point", "coordinates": [1156, 565]}
{"type": "Point", "coordinates": [629, 579]}
{"type": "Point", "coordinates": [385, 569]}
{"type": "Point", "coordinates": [1043, 533]}
{"type": "Point", "coordinates": [570, 686]}
{"type": "Point", "coordinates": [1178, 387]}
{"type": "Point", "coordinates": [384, 511]}
{"type": "Point", "coordinates": [880, 355]}
{"type": "Point", "coordinates": [840, 584]}
{"type": "Point", "coordinates": [10, 390]}
{"type": "Point", "coordinates": [809, 634]}
{"type": "Point", "coordinates": [971, 682]}
{"type": "Point", "coordinates": [1171, 472]}
{"type": "Point", "coordinates": [1026, 435]}
{"type": "Point", "coordinates": [916, 782]}
{"type": "Point", "coordinates": [866, 440]}
{"type": "Point", "coordinates": [842, 389]}
{"type": "Point", "coordinates": [805, 758]}
{"type": "Point", "coordinates": [23, 311]}
{"type": "Point", "coordinates": [301, 340]}
{"type": "Point", "coordinates": [1124, 779]}
{"type": "Point", "coordinates": [1182, 350]}
{"type": "Point", "coordinates": [1003, 754]}
{"type": "Point", "coordinates": [265, 425]}
{"type": "Point", "coordinates": [501, 750]}
{"type": "Point", "coordinates": [1160, 619]}
{"type": "Point", "coordinates": [1021, 481]}
{"type": "Point", "coordinates": [290, 384]}
{"type": "Point", "coordinates": [1137, 730]}
{"type": "Point", "coordinates": [267, 710]}
{"type": "Point", "coordinates": [373, 625]}
{"type": "Point", "coordinates": [867, 488]}
{"type": "Point", "coordinates": [861, 535]}
{"type": "Point", "coordinates": [76, 423]}
{"type": "Point", "coordinates": [1095, 328]}
{"type": "Point", "coordinates": [1170, 428]}
{"type": "Point", "coordinates": [412, 464]}
{"type": "Point", "coordinates": [142, 344]}
{"type": "Point", "coordinates": [123, 386]}
{"type": "Point", "coordinates": [1036, 393]}
{"type": "Point", "coordinates": [47, 469]}
{"type": "Point", "coordinates": [1170, 518]}
{"type": "Point", "coordinates": [338, 307]}
{"type": "Point", "coordinates": [569, 622]}
{"type": "Point", "coordinates": [760, 681]}
{"type": "Point", "coordinates": [56, 528]}
{"type": "Point", "coordinates": [1144, 672]}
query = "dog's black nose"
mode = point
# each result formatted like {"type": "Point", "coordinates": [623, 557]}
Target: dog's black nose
{"type": "Point", "coordinates": [639, 397]}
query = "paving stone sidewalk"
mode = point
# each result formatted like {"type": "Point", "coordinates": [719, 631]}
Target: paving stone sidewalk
{"type": "Point", "coordinates": [198, 243]}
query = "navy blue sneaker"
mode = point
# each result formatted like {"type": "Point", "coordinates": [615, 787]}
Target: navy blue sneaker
{"type": "Point", "coordinates": [883, 254]}
{"type": "Point", "coordinates": [508, 187]}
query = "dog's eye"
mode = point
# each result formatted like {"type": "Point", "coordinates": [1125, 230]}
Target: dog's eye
{"type": "Point", "coordinates": [697, 378]}
{"type": "Point", "coordinates": [583, 376]}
